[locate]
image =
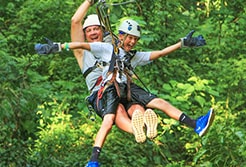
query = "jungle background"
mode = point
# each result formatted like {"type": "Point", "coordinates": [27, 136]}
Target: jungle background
{"type": "Point", "coordinates": [43, 116]}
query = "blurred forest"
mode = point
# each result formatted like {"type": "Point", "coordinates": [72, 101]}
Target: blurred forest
{"type": "Point", "coordinates": [43, 116]}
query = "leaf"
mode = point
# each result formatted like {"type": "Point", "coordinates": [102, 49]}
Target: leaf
{"type": "Point", "coordinates": [200, 100]}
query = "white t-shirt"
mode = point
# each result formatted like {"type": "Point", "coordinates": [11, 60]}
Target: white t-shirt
{"type": "Point", "coordinates": [88, 61]}
{"type": "Point", "coordinates": [103, 52]}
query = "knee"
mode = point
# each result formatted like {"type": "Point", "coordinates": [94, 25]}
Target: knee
{"type": "Point", "coordinates": [107, 124]}
{"type": "Point", "coordinates": [133, 108]}
{"type": "Point", "coordinates": [160, 102]}
{"type": "Point", "coordinates": [120, 110]}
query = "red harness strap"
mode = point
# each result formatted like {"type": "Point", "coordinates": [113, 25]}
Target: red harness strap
{"type": "Point", "coordinates": [99, 80]}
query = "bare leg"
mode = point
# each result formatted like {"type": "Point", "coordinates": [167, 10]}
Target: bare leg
{"type": "Point", "coordinates": [165, 107]}
{"type": "Point", "coordinates": [105, 128]}
{"type": "Point", "coordinates": [134, 126]}
{"type": "Point", "coordinates": [135, 107]}
{"type": "Point", "coordinates": [122, 119]}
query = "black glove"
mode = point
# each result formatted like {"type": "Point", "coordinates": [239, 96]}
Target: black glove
{"type": "Point", "coordinates": [190, 41]}
{"type": "Point", "coordinates": [50, 47]}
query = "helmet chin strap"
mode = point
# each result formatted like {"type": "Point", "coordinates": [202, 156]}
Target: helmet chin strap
{"type": "Point", "coordinates": [123, 41]}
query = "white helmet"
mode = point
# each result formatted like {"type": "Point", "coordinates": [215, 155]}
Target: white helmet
{"type": "Point", "coordinates": [130, 27]}
{"type": "Point", "coordinates": [91, 20]}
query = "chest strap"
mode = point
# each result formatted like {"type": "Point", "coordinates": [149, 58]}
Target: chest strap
{"type": "Point", "coordinates": [96, 65]}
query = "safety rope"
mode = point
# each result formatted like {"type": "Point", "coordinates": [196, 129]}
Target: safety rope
{"type": "Point", "coordinates": [103, 15]}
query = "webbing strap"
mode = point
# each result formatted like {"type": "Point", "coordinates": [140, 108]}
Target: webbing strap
{"type": "Point", "coordinates": [112, 62]}
{"type": "Point", "coordinates": [103, 15]}
{"type": "Point", "coordinates": [89, 70]}
{"type": "Point", "coordinates": [98, 82]}
{"type": "Point", "coordinates": [96, 65]}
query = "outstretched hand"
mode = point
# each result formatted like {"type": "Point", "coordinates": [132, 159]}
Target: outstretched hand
{"type": "Point", "coordinates": [190, 41]}
{"type": "Point", "coordinates": [50, 47]}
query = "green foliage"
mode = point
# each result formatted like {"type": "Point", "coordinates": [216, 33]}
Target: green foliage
{"type": "Point", "coordinates": [224, 145]}
{"type": "Point", "coordinates": [17, 105]}
{"type": "Point", "coordinates": [43, 116]}
{"type": "Point", "coordinates": [61, 141]}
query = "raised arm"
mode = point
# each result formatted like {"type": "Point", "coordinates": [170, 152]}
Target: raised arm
{"type": "Point", "coordinates": [77, 34]}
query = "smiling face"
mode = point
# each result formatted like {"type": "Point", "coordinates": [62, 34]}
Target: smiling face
{"type": "Point", "coordinates": [94, 34]}
{"type": "Point", "coordinates": [129, 41]}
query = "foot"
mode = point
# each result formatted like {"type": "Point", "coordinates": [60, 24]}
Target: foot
{"type": "Point", "coordinates": [204, 122]}
{"type": "Point", "coordinates": [138, 125]}
{"type": "Point", "coordinates": [151, 122]}
{"type": "Point", "coordinates": [92, 164]}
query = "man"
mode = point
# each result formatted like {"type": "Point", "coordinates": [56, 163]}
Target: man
{"type": "Point", "coordinates": [92, 31]}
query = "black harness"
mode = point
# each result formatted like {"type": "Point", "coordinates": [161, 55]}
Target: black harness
{"type": "Point", "coordinates": [96, 65]}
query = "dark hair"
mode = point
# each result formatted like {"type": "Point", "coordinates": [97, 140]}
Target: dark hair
{"type": "Point", "coordinates": [121, 32]}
